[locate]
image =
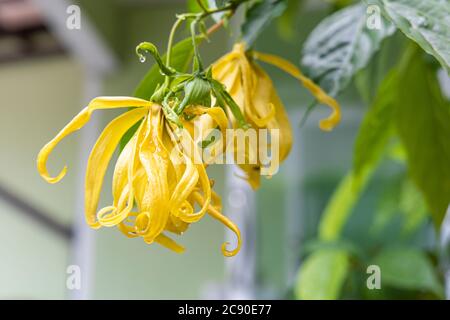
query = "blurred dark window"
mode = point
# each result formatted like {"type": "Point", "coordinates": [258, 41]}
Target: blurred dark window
{"type": "Point", "coordinates": [23, 32]}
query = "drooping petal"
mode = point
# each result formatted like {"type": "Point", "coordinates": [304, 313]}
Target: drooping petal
{"type": "Point", "coordinates": [76, 124]}
{"type": "Point", "coordinates": [183, 189]}
{"type": "Point", "coordinates": [214, 212]}
{"type": "Point", "coordinates": [325, 124]}
{"type": "Point", "coordinates": [154, 160]}
{"type": "Point", "coordinates": [169, 243]}
{"type": "Point", "coordinates": [280, 121]}
{"type": "Point", "coordinates": [101, 155]}
{"type": "Point", "coordinates": [189, 148]}
{"type": "Point", "coordinates": [114, 215]}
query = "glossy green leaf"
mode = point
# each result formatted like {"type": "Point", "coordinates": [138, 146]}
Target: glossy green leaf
{"type": "Point", "coordinates": [407, 268]}
{"type": "Point", "coordinates": [322, 275]}
{"type": "Point", "coordinates": [423, 123]}
{"type": "Point", "coordinates": [425, 22]}
{"type": "Point", "coordinates": [340, 46]}
{"type": "Point", "coordinates": [376, 128]}
{"type": "Point", "coordinates": [259, 16]}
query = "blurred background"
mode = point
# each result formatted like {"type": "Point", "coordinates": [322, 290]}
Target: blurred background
{"type": "Point", "coordinates": [48, 72]}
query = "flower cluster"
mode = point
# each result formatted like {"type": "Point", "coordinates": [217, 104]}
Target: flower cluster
{"type": "Point", "coordinates": [253, 90]}
{"type": "Point", "coordinates": [160, 184]}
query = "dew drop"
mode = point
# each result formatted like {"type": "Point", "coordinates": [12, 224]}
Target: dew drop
{"type": "Point", "coordinates": [142, 58]}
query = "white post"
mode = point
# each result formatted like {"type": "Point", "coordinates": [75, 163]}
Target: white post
{"type": "Point", "coordinates": [293, 215]}
{"type": "Point", "coordinates": [241, 209]}
{"type": "Point", "coordinates": [83, 242]}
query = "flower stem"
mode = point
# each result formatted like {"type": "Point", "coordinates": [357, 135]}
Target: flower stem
{"type": "Point", "coordinates": [171, 38]}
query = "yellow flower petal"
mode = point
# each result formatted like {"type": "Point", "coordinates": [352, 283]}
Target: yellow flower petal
{"type": "Point", "coordinates": [101, 155]}
{"type": "Point", "coordinates": [77, 123]}
{"type": "Point", "coordinates": [154, 160]}
{"type": "Point", "coordinates": [213, 212]}
{"type": "Point", "coordinates": [190, 149]}
{"type": "Point", "coordinates": [326, 124]}
{"type": "Point", "coordinates": [118, 102]}
{"type": "Point", "coordinates": [169, 243]}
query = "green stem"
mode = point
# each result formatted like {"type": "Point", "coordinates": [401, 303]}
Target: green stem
{"type": "Point", "coordinates": [198, 66]}
{"type": "Point", "coordinates": [151, 48]}
{"type": "Point", "coordinates": [171, 38]}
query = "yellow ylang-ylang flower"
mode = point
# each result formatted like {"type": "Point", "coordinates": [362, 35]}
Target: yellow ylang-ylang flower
{"type": "Point", "coordinates": [255, 94]}
{"type": "Point", "coordinates": [157, 184]}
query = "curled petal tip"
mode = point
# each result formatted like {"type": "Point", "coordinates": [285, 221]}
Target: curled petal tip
{"type": "Point", "coordinates": [330, 123]}
{"type": "Point", "coordinates": [53, 180]}
{"type": "Point", "coordinates": [231, 253]}
{"type": "Point", "coordinates": [326, 126]}
{"type": "Point", "coordinates": [94, 225]}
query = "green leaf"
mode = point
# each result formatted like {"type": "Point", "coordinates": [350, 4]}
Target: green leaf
{"type": "Point", "coordinates": [407, 268]}
{"type": "Point", "coordinates": [376, 128]}
{"type": "Point", "coordinates": [194, 7]}
{"type": "Point", "coordinates": [369, 79]}
{"type": "Point", "coordinates": [340, 46]}
{"type": "Point", "coordinates": [341, 205]}
{"type": "Point", "coordinates": [348, 246]}
{"type": "Point", "coordinates": [371, 144]}
{"type": "Point", "coordinates": [425, 22]}
{"type": "Point", "coordinates": [387, 209]}
{"type": "Point", "coordinates": [412, 207]}
{"type": "Point", "coordinates": [322, 275]}
{"type": "Point", "coordinates": [423, 124]}
{"type": "Point", "coordinates": [182, 54]}
{"type": "Point", "coordinates": [259, 16]}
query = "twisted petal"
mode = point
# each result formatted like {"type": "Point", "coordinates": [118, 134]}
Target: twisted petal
{"type": "Point", "coordinates": [183, 189]}
{"type": "Point", "coordinates": [176, 225]}
{"type": "Point", "coordinates": [154, 160]}
{"type": "Point", "coordinates": [77, 123]}
{"type": "Point", "coordinates": [266, 91]}
{"type": "Point", "coordinates": [214, 212]}
{"type": "Point", "coordinates": [335, 117]}
{"type": "Point", "coordinates": [100, 157]}
{"type": "Point", "coordinates": [187, 143]}
{"type": "Point", "coordinates": [114, 215]}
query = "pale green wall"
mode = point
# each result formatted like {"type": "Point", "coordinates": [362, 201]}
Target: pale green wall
{"type": "Point", "coordinates": [37, 98]}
